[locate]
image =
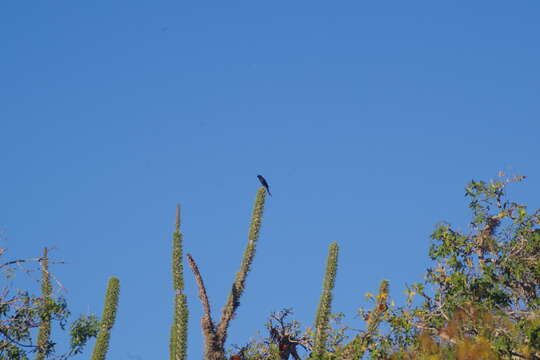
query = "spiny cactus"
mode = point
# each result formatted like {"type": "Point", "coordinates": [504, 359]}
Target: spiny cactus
{"type": "Point", "coordinates": [325, 305]}
{"type": "Point", "coordinates": [107, 320]}
{"type": "Point", "coordinates": [237, 289]}
{"type": "Point", "coordinates": [43, 340]}
{"type": "Point", "coordinates": [216, 335]}
{"type": "Point", "coordinates": [178, 340]}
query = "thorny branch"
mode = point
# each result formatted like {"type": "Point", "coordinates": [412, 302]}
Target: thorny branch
{"type": "Point", "coordinates": [203, 296]}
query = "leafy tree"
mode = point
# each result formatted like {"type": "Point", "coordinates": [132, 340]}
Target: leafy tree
{"type": "Point", "coordinates": [481, 298]}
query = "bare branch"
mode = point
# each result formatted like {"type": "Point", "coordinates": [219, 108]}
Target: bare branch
{"type": "Point", "coordinates": [212, 348]}
{"type": "Point", "coordinates": [17, 262]}
{"type": "Point", "coordinates": [202, 291]}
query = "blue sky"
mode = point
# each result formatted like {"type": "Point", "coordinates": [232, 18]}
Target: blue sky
{"type": "Point", "coordinates": [367, 119]}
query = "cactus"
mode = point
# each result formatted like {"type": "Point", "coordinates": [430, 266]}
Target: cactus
{"type": "Point", "coordinates": [178, 340]}
{"type": "Point", "coordinates": [44, 334]}
{"type": "Point", "coordinates": [325, 304]}
{"type": "Point", "coordinates": [237, 289]}
{"type": "Point", "coordinates": [107, 321]}
{"type": "Point", "coordinates": [216, 335]}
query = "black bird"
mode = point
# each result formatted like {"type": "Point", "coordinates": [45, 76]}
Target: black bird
{"type": "Point", "coordinates": [264, 183]}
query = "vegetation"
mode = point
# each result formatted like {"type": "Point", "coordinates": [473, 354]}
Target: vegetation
{"type": "Point", "coordinates": [178, 341]}
{"type": "Point", "coordinates": [107, 320]}
{"type": "Point", "coordinates": [23, 314]}
{"type": "Point", "coordinates": [324, 311]}
{"type": "Point", "coordinates": [215, 335]}
{"type": "Point", "coordinates": [479, 300]}
{"type": "Point", "coordinates": [44, 344]}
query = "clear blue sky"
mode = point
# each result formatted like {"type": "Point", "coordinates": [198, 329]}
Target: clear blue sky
{"type": "Point", "coordinates": [367, 118]}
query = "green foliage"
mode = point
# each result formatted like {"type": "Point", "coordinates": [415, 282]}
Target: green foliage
{"type": "Point", "coordinates": [22, 314]}
{"type": "Point", "coordinates": [481, 299]}
{"type": "Point", "coordinates": [366, 341]}
{"type": "Point", "coordinates": [82, 330]}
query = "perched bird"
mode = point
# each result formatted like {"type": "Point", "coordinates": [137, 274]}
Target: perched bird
{"type": "Point", "coordinates": [264, 183]}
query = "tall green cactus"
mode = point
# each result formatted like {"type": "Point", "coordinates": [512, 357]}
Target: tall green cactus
{"type": "Point", "coordinates": [233, 301]}
{"type": "Point", "coordinates": [325, 305]}
{"type": "Point", "coordinates": [216, 335]}
{"type": "Point", "coordinates": [44, 334]}
{"type": "Point", "coordinates": [178, 340]}
{"type": "Point", "coordinates": [107, 320]}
